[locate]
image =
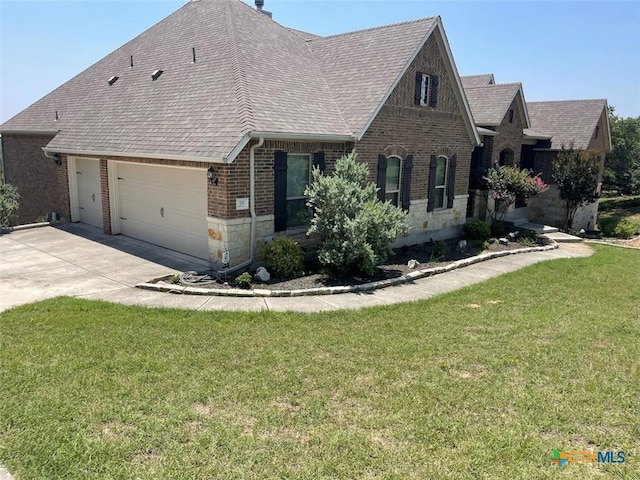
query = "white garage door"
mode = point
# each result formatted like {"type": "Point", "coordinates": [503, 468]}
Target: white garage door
{"type": "Point", "coordinates": [164, 206]}
{"type": "Point", "coordinates": [89, 191]}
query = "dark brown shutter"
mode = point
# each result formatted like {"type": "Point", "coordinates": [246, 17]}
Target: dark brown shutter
{"type": "Point", "coordinates": [318, 160]}
{"type": "Point", "coordinates": [451, 181]}
{"type": "Point", "coordinates": [382, 177]}
{"type": "Point", "coordinates": [280, 190]}
{"type": "Point", "coordinates": [431, 191]}
{"type": "Point", "coordinates": [433, 98]}
{"type": "Point", "coordinates": [418, 87]}
{"type": "Point", "coordinates": [407, 166]}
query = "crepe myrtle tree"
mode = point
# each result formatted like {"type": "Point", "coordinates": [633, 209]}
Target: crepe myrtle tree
{"type": "Point", "coordinates": [576, 173]}
{"type": "Point", "coordinates": [356, 229]}
{"type": "Point", "coordinates": [508, 183]}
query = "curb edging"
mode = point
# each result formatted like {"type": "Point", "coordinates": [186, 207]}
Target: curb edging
{"type": "Point", "coordinates": [365, 287]}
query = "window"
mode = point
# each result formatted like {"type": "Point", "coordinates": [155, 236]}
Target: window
{"type": "Point", "coordinates": [392, 180]}
{"type": "Point", "coordinates": [424, 89]}
{"type": "Point", "coordinates": [298, 177]}
{"type": "Point", "coordinates": [511, 116]}
{"type": "Point", "coordinates": [597, 130]}
{"type": "Point", "coordinates": [506, 157]}
{"type": "Point", "coordinates": [440, 187]}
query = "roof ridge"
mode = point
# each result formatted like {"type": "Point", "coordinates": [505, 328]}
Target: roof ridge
{"type": "Point", "coordinates": [511, 84]}
{"type": "Point", "coordinates": [571, 100]}
{"type": "Point", "coordinates": [380, 27]}
{"type": "Point", "coordinates": [239, 76]}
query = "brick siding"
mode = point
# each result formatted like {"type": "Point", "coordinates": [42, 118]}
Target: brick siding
{"type": "Point", "coordinates": [42, 185]}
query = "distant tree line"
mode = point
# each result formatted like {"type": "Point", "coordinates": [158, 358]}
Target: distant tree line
{"type": "Point", "coordinates": [622, 165]}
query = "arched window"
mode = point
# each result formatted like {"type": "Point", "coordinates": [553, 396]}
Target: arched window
{"type": "Point", "coordinates": [392, 180]}
{"type": "Point", "coordinates": [440, 186]}
{"type": "Point", "coordinates": [506, 157]}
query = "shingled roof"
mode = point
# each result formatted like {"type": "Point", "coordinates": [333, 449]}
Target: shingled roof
{"type": "Point", "coordinates": [251, 77]}
{"type": "Point", "coordinates": [471, 81]}
{"type": "Point", "coordinates": [489, 104]}
{"type": "Point", "coordinates": [567, 121]}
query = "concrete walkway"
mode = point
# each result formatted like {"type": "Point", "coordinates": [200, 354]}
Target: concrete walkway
{"type": "Point", "coordinates": [78, 260]}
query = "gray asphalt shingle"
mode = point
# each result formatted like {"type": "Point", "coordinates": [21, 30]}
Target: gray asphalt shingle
{"type": "Point", "coordinates": [471, 81]}
{"type": "Point", "coordinates": [489, 104]}
{"type": "Point", "coordinates": [251, 75]}
{"type": "Point", "coordinates": [566, 121]}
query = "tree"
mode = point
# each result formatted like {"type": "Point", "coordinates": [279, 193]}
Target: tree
{"type": "Point", "coordinates": [622, 164]}
{"type": "Point", "coordinates": [356, 229]}
{"type": "Point", "coordinates": [8, 204]}
{"type": "Point", "coordinates": [576, 173]}
{"type": "Point", "coordinates": [507, 183]}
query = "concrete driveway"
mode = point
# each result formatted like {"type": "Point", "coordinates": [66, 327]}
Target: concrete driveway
{"type": "Point", "coordinates": [79, 260]}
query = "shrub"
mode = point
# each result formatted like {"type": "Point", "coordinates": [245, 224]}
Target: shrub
{"type": "Point", "coordinates": [8, 205]}
{"type": "Point", "coordinates": [626, 228]}
{"type": "Point", "coordinates": [476, 230]}
{"type": "Point", "coordinates": [244, 280]}
{"type": "Point", "coordinates": [507, 184]}
{"type": "Point", "coordinates": [439, 250]}
{"type": "Point", "coordinates": [283, 257]}
{"type": "Point", "coordinates": [356, 229]}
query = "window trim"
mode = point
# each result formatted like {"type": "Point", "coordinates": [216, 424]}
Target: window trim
{"type": "Point", "coordinates": [442, 187]}
{"type": "Point", "coordinates": [288, 198]}
{"type": "Point", "coordinates": [398, 190]}
{"type": "Point", "coordinates": [425, 89]}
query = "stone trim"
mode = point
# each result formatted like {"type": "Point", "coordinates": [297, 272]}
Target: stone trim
{"type": "Point", "coordinates": [366, 287]}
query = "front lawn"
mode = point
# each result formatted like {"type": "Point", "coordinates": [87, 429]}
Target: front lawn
{"type": "Point", "coordinates": [484, 382]}
{"type": "Point", "coordinates": [612, 211]}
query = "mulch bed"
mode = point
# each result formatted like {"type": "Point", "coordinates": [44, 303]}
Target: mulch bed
{"type": "Point", "coordinates": [394, 266]}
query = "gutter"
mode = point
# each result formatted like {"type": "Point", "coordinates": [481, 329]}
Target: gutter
{"type": "Point", "coordinates": [252, 203]}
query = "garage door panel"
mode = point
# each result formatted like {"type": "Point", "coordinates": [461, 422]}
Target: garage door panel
{"type": "Point", "coordinates": [89, 191]}
{"type": "Point", "coordinates": [165, 206]}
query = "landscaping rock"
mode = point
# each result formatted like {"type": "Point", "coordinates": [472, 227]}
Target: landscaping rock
{"type": "Point", "coordinates": [262, 274]}
{"type": "Point", "coordinates": [503, 241]}
{"type": "Point", "coordinates": [413, 264]}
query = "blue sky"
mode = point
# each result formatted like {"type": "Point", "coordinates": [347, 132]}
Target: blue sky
{"type": "Point", "coordinates": [557, 49]}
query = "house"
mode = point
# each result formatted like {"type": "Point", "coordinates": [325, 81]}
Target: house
{"type": "Point", "coordinates": [583, 124]}
{"type": "Point", "coordinates": [500, 113]}
{"type": "Point", "coordinates": [530, 135]}
{"type": "Point", "coordinates": [200, 134]}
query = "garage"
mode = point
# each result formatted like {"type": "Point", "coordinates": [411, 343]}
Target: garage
{"type": "Point", "coordinates": [166, 206]}
{"type": "Point", "coordinates": [87, 171]}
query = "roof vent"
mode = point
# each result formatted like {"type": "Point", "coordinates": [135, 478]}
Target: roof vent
{"type": "Point", "coordinates": [57, 116]}
{"type": "Point", "coordinates": [259, 5]}
{"type": "Point", "coordinates": [113, 80]}
{"type": "Point", "coordinates": [156, 74]}
{"type": "Point", "coordinates": [193, 55]}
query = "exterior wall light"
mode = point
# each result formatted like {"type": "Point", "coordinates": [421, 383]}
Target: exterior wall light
{"type": "Point", "coordinates": [212, 176]}
{"type": "Point", "coordinates": [56, 159]}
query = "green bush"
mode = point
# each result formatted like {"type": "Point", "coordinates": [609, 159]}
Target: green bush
{"type": "Point", "coordinates": [439, 250]}
{"type": "Point", "coordinates": [244, 280]}
{"type": "Point", "coordinates": [8, 205]}
{"type": "Point", "coordinates": [626, 229]}
{"type": "Point", "coordinates": [356, 229]}
{"type": "Point", "coordinates": [283, 257]}
{"type": "Point", "coordinates": [476, 230]}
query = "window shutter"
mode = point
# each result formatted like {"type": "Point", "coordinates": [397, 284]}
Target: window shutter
{"type": "Point", "coordinates": [418, 87]}
{"type": "Point", "coordinates": [407, 165]}
{"type": "Point", "coordinates": [431, 191]}
{"type": "Point", "coordinates": [433, 98]}
{"type": "Point", "coordinates": [280, 190]}
{"type": "Point", "coordinates": [382, 176]}
{"type": "Point", "coordinates": [318, 160]}
{"type": "Point", "coordinates": [451, 181]}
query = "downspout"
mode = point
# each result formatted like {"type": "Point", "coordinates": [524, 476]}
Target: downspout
{"type": "Point", "coordinates": [252, 203]}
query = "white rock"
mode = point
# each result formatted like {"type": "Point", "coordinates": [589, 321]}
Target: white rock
{"type": "Point", "coordinates": [503, 241]}
{"type": "Point", "coordinates": [413, 264]}
{"type": "Point", "coordinates": [462, 246]}
{"type": "Point", "coordinates": [262, 274]}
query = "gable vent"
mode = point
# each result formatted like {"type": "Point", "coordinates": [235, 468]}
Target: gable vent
{"type": "Point", "coordinates": [113, 80]}
{"type": "Point", "coordinates": [156, 74]}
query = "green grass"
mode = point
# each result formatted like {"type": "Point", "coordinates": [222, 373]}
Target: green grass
{"type": "Point", "coordinates": [613, 211]}
{"type": "Point", "coordinates": [481, 383]}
